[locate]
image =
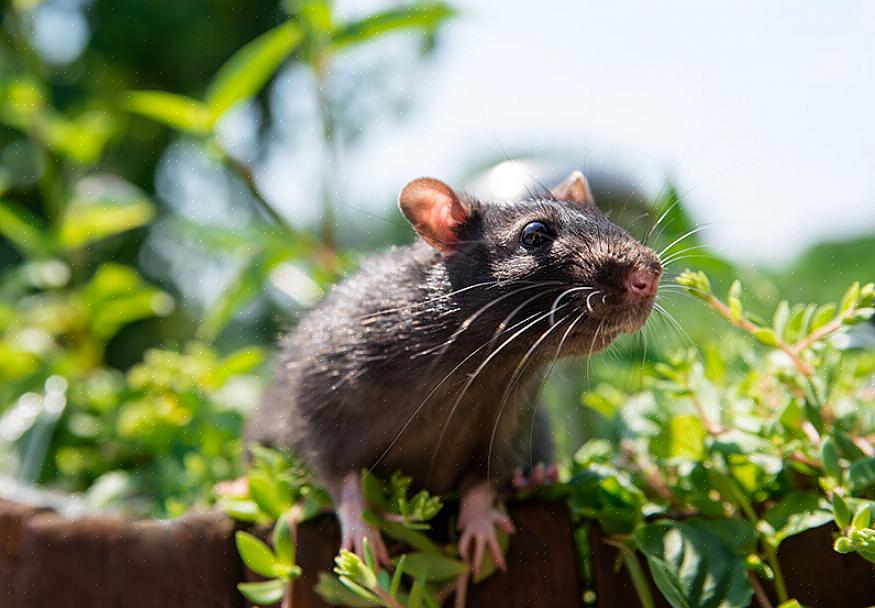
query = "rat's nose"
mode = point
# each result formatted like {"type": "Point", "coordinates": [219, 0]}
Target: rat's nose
{"type": "Point", "coordinates": [641, 283]}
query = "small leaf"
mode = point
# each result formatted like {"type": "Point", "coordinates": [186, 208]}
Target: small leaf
{"type": "Point", "coordinates": [176, 111]}
{"type": "Point", "coordinates": [822, 316]}
{"type": "Point", "coordinates": [861, 474]}
{"type": "Point", "coordinates": [862, 518]}
{"type": "Point", "coordinates": [263, 593]}
{"type": "Point", "coordinates": [400, 565]}
{"type": "Point", "coordinates": [682, 437]}
{"type": "Point", "coordinates": [766, 335]}
{"type": "Point", "coordinates": [780, 318]}
{"type": "Point", "coordinates": [283, 543]}
{"type": "Point", "coordinates": [334, 592]}
{"type": "Point", "coordinates": [794, 514]}
{"type": "Point", "coordinates": [849, 300]}
{"type": "Point", "coordinates": [247, 71]}
{"type": "Point", "coordinates": [829, 455]}
{"type": "Point", "coordinates": [426, 17]}
{"type": "Point", "coordinates": [23, 228]}
{"type": "Point", "coordinates": [87, 222]}
{"type": "Point", "coordinates": [841, 512]}
{"type": "Point", "coordinates": [431, 566]}
{"type": "Point", "coordinates": [257, 555]}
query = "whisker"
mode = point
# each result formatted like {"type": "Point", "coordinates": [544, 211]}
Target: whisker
{"type": "Point", "coordinates": [470, 381]}
{"type": "Point", "coordinates": [432, 393]}
{"type": "Point", "coordinates": [562, 295]}
{"type": "Point", "coordinates": [544, 380]}
{"type": "Point", "coordinates": [505, 397]}
{"type": "Point", "coordinates": [685, 235]}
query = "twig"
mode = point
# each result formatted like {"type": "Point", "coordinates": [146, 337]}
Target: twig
{"type": "Point", "coordinates": [758, 591]}
{"type": "Point", "coordinates": [750, 328]}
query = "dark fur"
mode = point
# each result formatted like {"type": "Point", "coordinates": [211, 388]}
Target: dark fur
{"type": "Point", "coordinates": [353, 372]}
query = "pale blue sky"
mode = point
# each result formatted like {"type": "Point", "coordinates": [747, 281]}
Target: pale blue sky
{"type": "Point", "coordinates": [763, 109]}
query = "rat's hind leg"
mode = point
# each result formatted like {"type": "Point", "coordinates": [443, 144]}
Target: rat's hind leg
{"type": "Point", "coordinates": [478, 520]}
{"type": "Point", "coordinates": [353, 528]}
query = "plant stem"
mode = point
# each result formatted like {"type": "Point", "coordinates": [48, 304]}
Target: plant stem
{"type": "Point", "coordinates": [639, 580]}
{"type": "Point", "coordinates": [244, 172]}
{"type": "Point", "coordinates": [780, 585]}
{"type": "Point", "coordinates": [750, 328]}
{"type": "Point", "coordinates": [329, 154]}
{"type": "Point", "coordinates": [758, 591]}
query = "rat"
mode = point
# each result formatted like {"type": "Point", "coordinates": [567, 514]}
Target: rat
{"type": "Point", "coordinates": [429, 358]}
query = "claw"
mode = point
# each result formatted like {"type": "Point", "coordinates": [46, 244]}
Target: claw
{"type": "Point", "coordinates": [353, 528]}
{"type": "Point", "coordinates": [478, 520]}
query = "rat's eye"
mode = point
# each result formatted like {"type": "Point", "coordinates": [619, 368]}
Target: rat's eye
{"type": "Point", "coordinates": [535, 234]}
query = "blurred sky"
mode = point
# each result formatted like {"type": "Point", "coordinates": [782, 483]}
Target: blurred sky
{"type": "Point", "coordinates": [763, 111]}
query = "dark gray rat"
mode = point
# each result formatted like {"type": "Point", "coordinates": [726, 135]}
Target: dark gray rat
{"type": "Point", "coordinates": [430, 357]}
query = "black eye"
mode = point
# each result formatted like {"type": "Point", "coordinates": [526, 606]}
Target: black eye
{"type": "Point", "coordinates": [535, 234]}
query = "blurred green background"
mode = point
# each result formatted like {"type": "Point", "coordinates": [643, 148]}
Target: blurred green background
{"type": "Point", "coordinates": [146, 271]}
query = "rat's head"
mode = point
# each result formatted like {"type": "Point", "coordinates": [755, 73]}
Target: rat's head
{"type": "Point", "coordinates": [555, 257]}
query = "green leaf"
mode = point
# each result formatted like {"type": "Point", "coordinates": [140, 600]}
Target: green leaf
{"type": "Point", "coordinates": [425, 16]}
{"type": "Point", "coordinates": [336, 593]}
{"type": "Point", "coordinates": [242, 509]}
{"type": "Point", "coordinates": [693, 566]}
{"type": "Point", "coordinates": [780, 318]}
{"type": "Point", "coordinates": [175, 111]}
{"type": "Point", "coordinates": [841, 512]}
{"type": "Point", "coordinates": [269, 493]}
{"type": "Point", "coordinates": [862, 518]}
{"type": "Point", "coordinates": [249, 69]}
{"type": "Point", "coordinates": [861, 474]}
{"type": "Point", "coordinates": [263, 593]}
{"type": "Point", "coordinates": [283, 543]}
{"type": "Point", "coordinates": [431, 566]}
{"type": "Point", "coordinates": [257, 555]}
{"type": "Point", "coordinates": [87, 222]}
{"type": "Point", "coordinates": [794, 514]}
{"type": "Point", "coordinates": [682, 437]}
{"type": "Point", "coordinates": [23, 229]}
{"type": "Point", "coordinates": [399, 531]}
{"type": "Point", "coordinates": [351, 566]}
{"type": "Point", "coordinates": [822, 316]}
{"type": "Point", "coordinates": [849, 300]}
{"type": "Point", "coordinates": [395, 584]}
{"type": "Point", "coordinates": [830, 456]}
{"type": "Point", "coordinates": [766, 335]}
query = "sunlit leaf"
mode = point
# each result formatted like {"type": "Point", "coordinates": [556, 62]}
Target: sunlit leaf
{"type": "Point", "coordinates": [87, 222]}
{"type": "Point", "coordinates": [263, 592]}
{"type": "Point", "coordinates": [176, 111]}
{"type": "Point", "coordinates": [257, 555]}
{"type": "Point", "coordinates": [23, 229]}
{"type": "Point", "coordinates": [693, 566]}
{"type": "Point", "coordinates": [794, 514]}
{"type": "Point", "coordinates": [425, 17]}
{"type": "Point", "coordinates": [247, 71]}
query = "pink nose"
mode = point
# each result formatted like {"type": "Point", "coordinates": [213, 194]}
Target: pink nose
{"type": "Point", "coordinates": [642, 283]}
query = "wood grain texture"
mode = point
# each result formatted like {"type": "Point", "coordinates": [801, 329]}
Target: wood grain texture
{"type": "Point", "coordinates": [49, 561]}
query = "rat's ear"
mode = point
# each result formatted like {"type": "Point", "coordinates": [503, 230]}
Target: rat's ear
{"type": "Point", "coordinates": [434, 211]}
{"type": "Point", "coordinates": [575, 189]}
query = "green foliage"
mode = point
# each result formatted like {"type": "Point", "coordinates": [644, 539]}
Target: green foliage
{"type": "Point", "coordinates": [721, 458]}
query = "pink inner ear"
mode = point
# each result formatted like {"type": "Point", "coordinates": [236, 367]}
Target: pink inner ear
{"type": "Point", "coordinates": [442, 223]}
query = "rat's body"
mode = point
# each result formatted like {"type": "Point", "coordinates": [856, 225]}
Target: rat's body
{"type": "Point", "coordinates": [429, 359]}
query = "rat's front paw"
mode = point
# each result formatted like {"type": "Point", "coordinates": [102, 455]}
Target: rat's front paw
{"type": "Point", "coordinates": [478, 521]}
{"type": "Point", "coordinates": [354, 530]}
{"type": "Point", "coordinates": [541, 475]}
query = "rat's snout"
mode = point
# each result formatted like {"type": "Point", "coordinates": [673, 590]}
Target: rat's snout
{"type": "Point", "coordinates": [642, 283]}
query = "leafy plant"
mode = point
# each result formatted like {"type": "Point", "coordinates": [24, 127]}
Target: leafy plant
{"type": "Point", "coordinates": [729, 452]}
